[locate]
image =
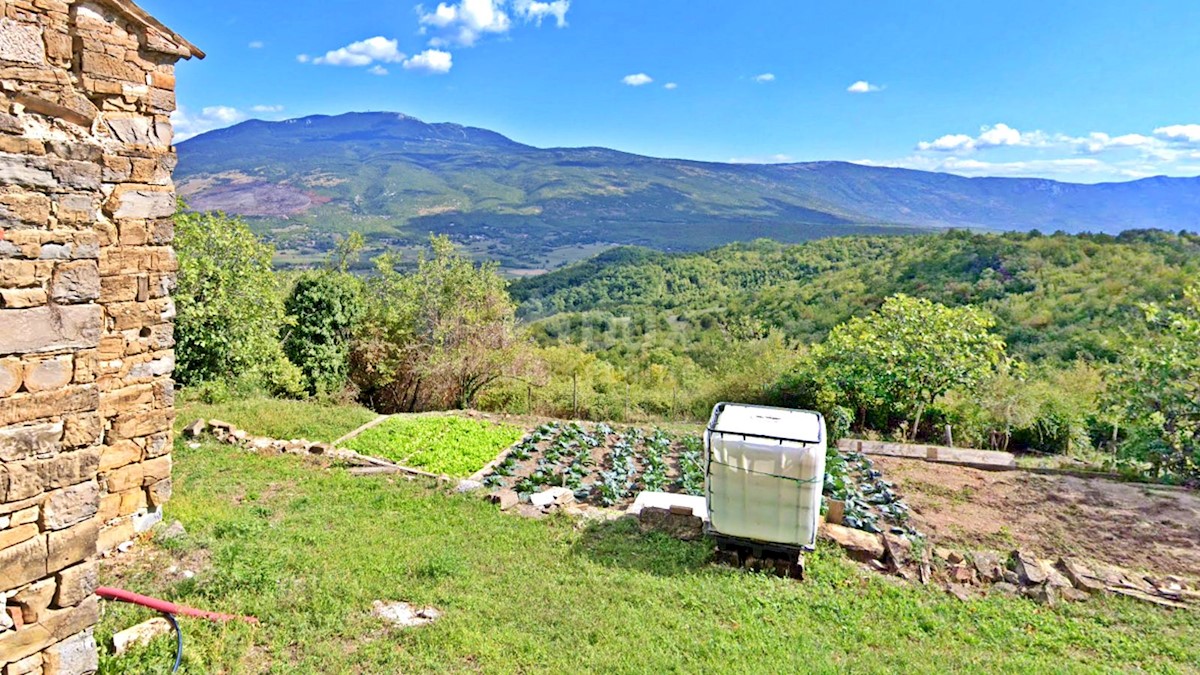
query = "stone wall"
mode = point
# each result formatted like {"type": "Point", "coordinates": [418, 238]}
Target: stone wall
{"type": "Point", "coordinates": [86, 268]}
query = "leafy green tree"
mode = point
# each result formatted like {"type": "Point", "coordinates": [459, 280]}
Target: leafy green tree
{"type": "Point", "coordinates": [437, 337]}
{"type": "Point", "coordinates": [907, 354]}
{"type": "Point", "coordinates": [1156, 387]}
{"type": "Point", "coordinates": [228, 309]}
{"type": "Point", "coordinates": [324, 308]}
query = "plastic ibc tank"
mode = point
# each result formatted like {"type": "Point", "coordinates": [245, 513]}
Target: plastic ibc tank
{"type": "Point", "coordinates": [765, 473]}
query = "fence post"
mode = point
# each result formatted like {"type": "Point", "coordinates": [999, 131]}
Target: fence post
{"type": "Point", "coordinates": [575, 396]}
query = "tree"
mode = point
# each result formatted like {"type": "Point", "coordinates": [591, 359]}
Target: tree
{"type": "Point", "coordinates": [1156, 388]}
{"type": "Point", "coordinates": [228, 308]}
{"type": "Point", "coordinates": [437, 337]}
{"type": "Point", "coordinates": [324, 308]}
{"type": "Point", "coordinates": [907, 354]}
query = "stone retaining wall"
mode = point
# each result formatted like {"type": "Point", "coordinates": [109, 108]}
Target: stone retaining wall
{"type": "Point", "coordinates": [86, 269]}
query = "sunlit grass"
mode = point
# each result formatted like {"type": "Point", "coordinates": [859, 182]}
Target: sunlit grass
{"type": "Point", "coordinates": [307, 550]}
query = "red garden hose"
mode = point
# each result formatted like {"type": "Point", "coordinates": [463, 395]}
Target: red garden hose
{"type": "Point", "coordinates": [167, 607]}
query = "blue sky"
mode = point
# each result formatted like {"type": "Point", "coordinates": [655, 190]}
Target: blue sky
{"type": "Point", "coordinates": [1082, 90]}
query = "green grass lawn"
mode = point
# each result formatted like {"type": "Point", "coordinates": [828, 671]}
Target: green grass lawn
{"type": "Point", "coordinates": [307, 550]}
{"type": "Point", "coordinates": [441, 444]}
{"type": "Point", "coordinates": [278, 418]}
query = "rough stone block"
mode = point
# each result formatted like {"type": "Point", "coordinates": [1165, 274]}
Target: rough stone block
{"type": "Point", "coordinates": [49, 374]}
{"type": "Point", "coordinates": [70, 468]}
{"type": "Point", "coordinates": [22, 170]}
{"type": "Point", "coordinates": [20, 480]}
{"type": "Point", "coordinates": [49, 328]}
{"type": "Point", "coordinates": [159, 493]}
{"type": "Point", "coordinates": [17, 298]}
{"type": "Point", "coordinates": [21, 42]}
{"type": "Point", "coordinates": [76, 584]}
{"type": "Point", "coordinates": [25, 442]}
{"type": "Point", "coordinates": [15, 535]}
{"type": "Point", "coordinates": [157, 469]}
{"type": "Point", "coordinates": [72, 545]}
{"type": "Point", "coordinates": [30, 665]}
{"type": "Point", "coordinates": [142, 204]}
{"type": "Point", "coordinates": [68, 506]}
{"type": "Point", "coordinates": [22, 563]}
{"type": "Point", "coordinates": [132, 501]}
{"type": "Point", "coordinates": [33, 406]}
{"type": "Point", "coordinates": [76, 282]}
{"type": "Point", "coordinates": [158, 445]}
{"type": "Point", "coordinates": [12, 373]}
{"type": "Point", "coordinates": [119, 454]}
{"type": "Point", "coordinates": [24, 516]}
{"type": "Point", "coordinates": [77, 654]}
{"type": "Point", "coordinates": [35, 598]}
{"type": "Point", "coordinates": [136, 425]}
{"type": "Point", "coordinates": [139, 131]}
{"type": "Point", "coordinates": [32, 208]}
{"type": "Point", "coordinates": [81, 430]}
{"type": "Point", "coordinates": [124, 478]}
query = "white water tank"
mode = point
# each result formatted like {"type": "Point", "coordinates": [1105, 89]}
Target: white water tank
{"type": "Point", "coordinates": [765, 473]}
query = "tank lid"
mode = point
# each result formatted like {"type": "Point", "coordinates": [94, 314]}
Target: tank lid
{"type": "Point", "coordinates": [783, 424]}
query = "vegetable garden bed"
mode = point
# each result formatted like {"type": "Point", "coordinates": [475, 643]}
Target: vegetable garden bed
{"type": "Point", "coordinates": [455, 446]}
{"type": "Point", "coordinates": [606, 466]}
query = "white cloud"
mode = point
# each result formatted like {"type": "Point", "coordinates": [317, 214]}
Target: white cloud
{"type": "Point", "coordinates": [948, 143]}
{"type": "Point", "coordinates": [863, 87]}
{"type": "Point", "coordinates": [670, 85]}
{"type": "Point", "coordinates": [995, 136]}
{"type": "Point", "coordinates": [362, 53]}
{"type": "Point", "coordinates": [1095, 156]}
{"type": "Point", "coordinates": [1186, 133]}
{"type": "Point", "coordinates": [465, 22]}
{"type": "Point", "coordinates": [532, 10]}
{"type": "Point", "coordinates": [266, 108]}
{"type": "Point", "coordinates": [637, 79]}
{"type": "Point", "coordinates": [256, 44]}
{"type": "Point", "coordinates": [303, 58]}
{"type": "Point", "coordinates": [764, 78]}
{"type": "Point", "coordinates": [377, 70]}
{"type": "Point", "coordinates": [430, 61]}
{"type": "Point", "coordinates": [187, 124]}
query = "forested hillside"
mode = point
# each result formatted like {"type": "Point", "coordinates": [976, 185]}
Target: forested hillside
{"type": "Point", "coordinates": [1055, 298]}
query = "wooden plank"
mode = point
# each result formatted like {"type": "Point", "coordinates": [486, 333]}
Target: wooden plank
{"type": "Point", "coordinates": [980, 459]}
{"type": "Point", "coordinates": [1147, 597]}
{"type": "Point", "coordinates": [378, 420]}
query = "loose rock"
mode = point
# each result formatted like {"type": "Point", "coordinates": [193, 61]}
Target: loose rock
{"type": "Point", "coordinates": [141, 634]}
{"type": "Point", "coordinates": [405, 615]}
{"type": "Point", "coordinates": [1028, 569]}
{"type": "Point", "coordinates": [862, 546]}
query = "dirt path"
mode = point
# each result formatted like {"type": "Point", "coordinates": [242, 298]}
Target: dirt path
{"type": "Point", "coordinates": [1139, 527]}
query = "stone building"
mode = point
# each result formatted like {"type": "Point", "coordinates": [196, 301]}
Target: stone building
{"type": "Point", "coordinates": [86, 271]}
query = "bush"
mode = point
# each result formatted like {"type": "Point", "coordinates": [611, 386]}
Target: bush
{"type": "Point", "coordinates": [323, 308]}
{"type": "Point", "coordinates": [228, 308]}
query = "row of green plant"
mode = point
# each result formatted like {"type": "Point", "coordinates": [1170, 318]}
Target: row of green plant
{"type": "Point", "coordinates": [632, 460]}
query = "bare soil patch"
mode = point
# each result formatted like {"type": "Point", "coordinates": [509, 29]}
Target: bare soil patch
{"type": "Point", "coordinates": [1135, 526]}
